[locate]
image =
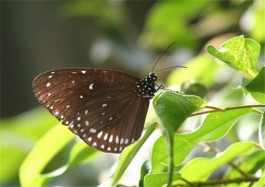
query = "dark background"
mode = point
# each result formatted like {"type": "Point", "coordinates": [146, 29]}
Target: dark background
{"type": "Point", "coordinates": [37, 36]}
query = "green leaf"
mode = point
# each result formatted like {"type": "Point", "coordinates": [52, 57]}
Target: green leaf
{"type": "Point", "coordinates": [129, 153]}
{"type": "Point", "coordinates": [145, 169]}
{"type": "Point", "coordinates": [33, 176]}
{"type": "Point", "coordinates": [17, 139]}
{"type": "Point", "coordinates": [250, 165]}
{"type": "Point", "coordinates": [194, 88]}
{"type": "Point", "coordinates": [195, 70]}
{"type": "Point", "coordinates": [261, 182]}
{"type": "Point", "coordinates": [258, 11]}
{"type": "Point", "coordinates": [239, 53]}
{"type": "Point", "coordinates": [164, 24]}
{"type": "Point", "coordinates": [257, 86]}
{"type": "Point", "coordinates": [215, 126]}
{"type": "Point", "coordinates": [159, 179]}
{"type": "Point", "coordinates": [173, 109]}
{"type": "Point", "coordinates": [199, 169]}
{"type": "Point", "coordinates": [262, 132]}
{"type": "Point", "coordinates": [81, 153]}
{"type": "Point", "coordinates": [43, 152]}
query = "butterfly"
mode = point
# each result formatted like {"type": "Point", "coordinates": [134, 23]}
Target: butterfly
{"type": "Point", "coordinates": [105, 108]}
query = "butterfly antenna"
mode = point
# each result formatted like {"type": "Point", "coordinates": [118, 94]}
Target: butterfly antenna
{"type": "Point", "coordinates": [171, 68]}
{"type": "Point", "coordinates": [162, 55]}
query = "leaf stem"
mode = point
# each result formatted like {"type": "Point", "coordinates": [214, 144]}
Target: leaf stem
{"type": "Point", "coordinates": [221, 181]}
{"type": "Point", "coordinates": [170, 141]}
{"type": "Point", "coordinates": [216, 109]}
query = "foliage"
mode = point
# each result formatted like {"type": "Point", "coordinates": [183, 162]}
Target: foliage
{"type": "Point", "coordinates": [200, 130]}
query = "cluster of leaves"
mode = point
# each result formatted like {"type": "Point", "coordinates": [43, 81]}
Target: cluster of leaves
{"type": "Point", "coordinates": [242, 55]}
{"type": "Point", "coordinates": [172, 109]}
{"type": "Point", "coordinates": [170, 162]}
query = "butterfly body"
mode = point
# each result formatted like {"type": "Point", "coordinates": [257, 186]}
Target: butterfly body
{"type": "Point", "coordinates": [105, 108]}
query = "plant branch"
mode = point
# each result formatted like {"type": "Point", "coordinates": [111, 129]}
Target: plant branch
{"type": "Point", "coordinates": [231, 164]}
{"type": "Point", "coordinates": [216, 109]}
{"type": "Point", "coordinates": [220, 181]}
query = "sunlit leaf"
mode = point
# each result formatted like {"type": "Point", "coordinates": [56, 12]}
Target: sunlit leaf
{"type": "Point", "coordinates": [164, 24]}
{"type": "Point", "coordinates": [159, 179]}
{"type": "Point", "coordinates": [129, 153]}
{"type": "Point", "coordinates": [239, 53]}
{"type": "Point", "coordinates": [251, 164]}
{"type": "Point", "coordinates": [82, 153]}
{"type": "Point", "coordinates": [43, 152]}
{"type": "Point", "coordinates": [199, 169]}
{"type": "Point", "coordinates": [215, 126]}
{"type": "Point", "coordinates": [17, 137]}
{"type": "Point", "coordinates": [257, 87]}
{"type": "Point", "coordinates": [172, 108]}
{"type": "Point", "coordinates": [195, 70]}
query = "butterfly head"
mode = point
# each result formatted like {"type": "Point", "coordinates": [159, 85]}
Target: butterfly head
{"type": "Point", "coordinates": [146, 87]}
{"type": "Point", "coordinates": [152, 77]}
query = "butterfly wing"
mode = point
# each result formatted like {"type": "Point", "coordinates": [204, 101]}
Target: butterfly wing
{"type": "Point", "coordinates": [101, 106]}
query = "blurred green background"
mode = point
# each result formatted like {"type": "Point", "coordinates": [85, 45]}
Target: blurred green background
{"type": "Point", "coordinates": [37, 36]}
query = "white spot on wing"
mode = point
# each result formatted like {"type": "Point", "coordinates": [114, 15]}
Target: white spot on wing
{"type": "Point", "coordinates": [87, 123]}
{"type": "Point", "coordinates": [104, 105]}
{"type": "Point", "coordinates": [106, 136]}
{"type": "Point", "coordinates": [100, 134]}
{"type": "Point", "coordinates": [89, 139]}
{"type": "Point", "coordinates": [78, 119]}
{"type": "Point", "coordinates": [117, 139]}
{"type": "Point", "coordinates": [91, 86]}
{"type": "Point", "coordinates": [110, 118]}
{"type": "Point", "coordinates": [102, 146]}
{"type": "Point", "coordinates": [83, 71]}
{"type": "Point", "coordinates": [121, 141]}
{"type": "Point", "coordinates": [48, 84]}
{"type": "Point", "coordinates": [110, 138]}
{"type": "Point", "coordinates": [86, 111]}
{"type": "Point", "coordinates": [92, 130]}
{"type": "Point", "coordinates": [49, 76]}
{"type": "Point", "coordinates": [81, 96]}
{"type": "Point", "coordinates": [126, 141]}
{"type": "Point", "coordinates": [73, 82]}
{"type": "Point", "coordinates": [94, 144]}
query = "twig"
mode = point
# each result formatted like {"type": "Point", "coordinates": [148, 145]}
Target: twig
{"type": "Point", "coordinates": [219, 181]}
{"type": "Point", "coordinates": [216, 109]}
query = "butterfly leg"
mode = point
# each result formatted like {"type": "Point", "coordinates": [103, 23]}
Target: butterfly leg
{"type": "Point", "coordinates": [159, 87]}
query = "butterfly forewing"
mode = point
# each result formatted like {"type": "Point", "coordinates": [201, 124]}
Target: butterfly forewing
{"type": "Point", "coordinates": [101, 106]}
